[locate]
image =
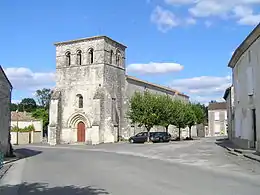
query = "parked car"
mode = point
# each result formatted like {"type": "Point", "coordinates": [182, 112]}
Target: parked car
{"type": "Point", "coordinates": [160, 137]}
{"type": "Point", "coordinates": [154, 137]}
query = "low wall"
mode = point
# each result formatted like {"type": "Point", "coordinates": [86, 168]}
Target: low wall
{"type": "Point", "coordinates": [26, 137]}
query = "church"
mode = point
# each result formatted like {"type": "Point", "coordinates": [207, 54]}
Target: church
{"type": "Point", "coordinates": [91, 97]}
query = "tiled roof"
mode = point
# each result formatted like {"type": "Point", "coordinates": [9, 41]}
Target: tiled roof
{"type": "Point", "coordinates": [156, 85]}
{"type": "Point", "coordinates": [22, 116]}
{"type": "Point", "coordinates": [217, 106]}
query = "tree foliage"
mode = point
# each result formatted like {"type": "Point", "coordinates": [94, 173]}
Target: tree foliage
{"type": "Point", "coordinates": [143, 110]}
{"type": "Point", "coordinates": [190, 117]}
{"type": "Point", "coordinates": [147, 109]}
{"type": "Point", "coordinates": [13, 107]}
{"type": "Point", "coordinates": [165, 111]}
{"type": "Point", "coordinates": [27, 104]}
{"type": "Point", "coordinates": [43, 114]}
{"type": "Point", "coordinates": [43, 97]}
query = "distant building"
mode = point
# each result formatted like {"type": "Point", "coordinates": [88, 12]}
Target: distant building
{"type": "Point", "coordinates": [217, 116]}
{"type": "Point", "coordinates": [229, 97]}
{"type": "Point", "coordinates": [5, 114]}
{"type": "Point", "coordinates": [23, 120]}
{"type": "Point", "coordinates": [245, 66]}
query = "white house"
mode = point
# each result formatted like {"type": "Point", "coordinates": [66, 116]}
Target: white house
{"type": "Point", "coordinates": [5, 101]}
{"type": "Point", "coordinates": [217, 115]}
{"type": "Point", "coordinates": [229, 97]}
{"type": "Point", "coordinates": [245, 64]}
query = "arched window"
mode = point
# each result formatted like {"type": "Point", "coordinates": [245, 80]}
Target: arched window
{"type": "Point", "coordinates": [80, 101]}
{"type": "Point", "coordinates": [111, 57]}
{"type": "Point", "coordinates": [91, 56]}
{"type": "Point", "coordinates": [79, 57]}
{"type": "Point", "coordinates": [118, 58]}
{"type": "Point", "coordinates": [68, 58]}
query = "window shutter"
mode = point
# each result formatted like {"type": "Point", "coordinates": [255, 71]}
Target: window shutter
{"type": "Point", "coordinates": [250, 87]}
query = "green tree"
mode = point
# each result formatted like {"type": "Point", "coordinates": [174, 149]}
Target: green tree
{"type": "Point", "coordinates": [13, 107]}
{"type": "Point", "coordinates": [179, 117]}
{"type": "Point", "coordinates": [200, 112]}
{"type": "Point", "coordinates": [143, 110]}
{"type": "Point", "coordinates": [41, 113]}
{"type": "Point", "coordinates": [190, 117]}
{"type": "Point", "coordinates": [43, 97]}
{"type": "Point", "coordinates": [165, 114]}
{"type": "Point", "coordinates": [28, 104]}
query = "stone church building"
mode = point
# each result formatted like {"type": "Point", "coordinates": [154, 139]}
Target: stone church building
{"type": "Point", "coordinates": [91, 97]}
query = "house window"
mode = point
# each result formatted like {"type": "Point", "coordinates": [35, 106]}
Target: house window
{"type": "Point", "coordinates": [79, 57]}
{"type": "Point", "coordinates": [68, 59]}
{"type": "Point", "coordinates": [80, 101]}
{"type": "Point", "coordinates": [111, 57]}
{"type": "Point", "coordinates": [216, 116]}
{"type": "Point", "coordinates": [91, 56]}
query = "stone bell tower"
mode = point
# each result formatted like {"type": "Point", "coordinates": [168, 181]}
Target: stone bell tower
{"type": "Point", "coordinates": [86, 104]}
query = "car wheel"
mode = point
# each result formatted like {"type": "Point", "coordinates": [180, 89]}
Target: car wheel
{"type": "Point", "coordinates": [161, 140]}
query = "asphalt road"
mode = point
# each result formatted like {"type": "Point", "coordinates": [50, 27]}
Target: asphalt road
{"type": "Point", "coordinates": [200, 168]}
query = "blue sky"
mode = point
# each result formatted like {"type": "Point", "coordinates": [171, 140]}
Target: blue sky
{"type": "Point", "coordinates": [185, 44]}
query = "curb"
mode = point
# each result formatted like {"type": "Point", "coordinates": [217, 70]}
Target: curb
{"type": "Point", "coordinates": [5, 171]}
{"type": "Point", "coordinates": [252, 158]}
{"type": "Point", "coordinates": [227, 148]}
{"type": "Point", "coordinates": [10, 161]}
{"type": "Point", "coordinates": [238, 151]}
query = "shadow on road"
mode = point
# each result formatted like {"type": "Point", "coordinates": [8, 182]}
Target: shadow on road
{"type": "Point", "coordinates": [26, 153]}
{"type": "Point", "coordinates": [43, 189]}
{"type": "Point", "coordinates": [225, 143]}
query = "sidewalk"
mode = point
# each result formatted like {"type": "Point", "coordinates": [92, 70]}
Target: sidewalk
{"type": "Point", "coordinates": [235, 150]}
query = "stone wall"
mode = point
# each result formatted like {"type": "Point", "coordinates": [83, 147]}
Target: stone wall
{"type": "Point", "coordinates": [5, 114]}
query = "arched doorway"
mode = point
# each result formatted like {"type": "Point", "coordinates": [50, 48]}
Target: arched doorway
{"type": "Point", "coordinates": [81, 132]}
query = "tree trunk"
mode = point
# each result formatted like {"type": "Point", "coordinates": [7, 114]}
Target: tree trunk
{"type": "Point", "coordinates": [179, 133]}
{"type": "Point", "coordinates": [166, 129]}
{"type": "Point", "coordinates": [190, 132]}
{"type": "Point", "coordinates": [148, 133]}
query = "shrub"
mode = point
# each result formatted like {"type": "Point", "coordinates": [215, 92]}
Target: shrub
{"type": "Point", "coordinates": [29, 128]}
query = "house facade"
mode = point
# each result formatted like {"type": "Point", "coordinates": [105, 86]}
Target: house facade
{"type": "Point", "coordinates": [217, 119]}
{"type": "Point", "coordinates": [5, 114]}
{"type": "Point", "coordinates": [229, 97]}
{"type": "Point", "coordinates": [91, 97]}
{"type": "Point", "coordinates": [245, 66]}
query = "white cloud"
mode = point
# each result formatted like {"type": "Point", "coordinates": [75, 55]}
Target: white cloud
{"type": "Point", "coordinates": [191, 21]}
{"type": "Point", "coordinates": [240, 10]}
{"type": "Point", "coordinates": [27, 80]}
{"type": "Point", "coordinates": [154, 68]}
{"type": "Point", "coordinates": [164, 19]}
{"type": "Point", "coordinates": [203, 88]}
